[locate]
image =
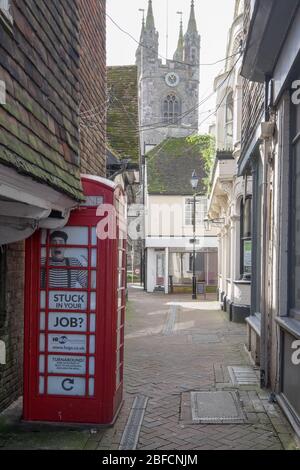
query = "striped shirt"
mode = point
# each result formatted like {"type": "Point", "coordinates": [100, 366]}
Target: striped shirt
{"type": "Point", "coordinates": [68, 278]}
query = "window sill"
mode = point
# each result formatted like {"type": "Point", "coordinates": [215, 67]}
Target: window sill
{"type": "Point", "coordinates": [255, 323]}
{"type": "Point", "coordinates": [242, 283]}
{"type": "Point", "coordinates": [291, 325]}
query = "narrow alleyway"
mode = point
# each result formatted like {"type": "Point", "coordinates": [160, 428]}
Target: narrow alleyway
{"type": "Point", "coordinates": [174, 346]}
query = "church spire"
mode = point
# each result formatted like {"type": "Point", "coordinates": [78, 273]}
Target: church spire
{"type": "Point", "coordinates": [179, 51]}
{"type": "Point", "coordinates": [150, 17]}
{"type": "Point", "coordinates": [192, 27]}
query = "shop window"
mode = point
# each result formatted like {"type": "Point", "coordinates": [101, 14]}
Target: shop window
{"type": "Point", "coordinates": [246, 238]}
{"type": "Point", "coordinates": [295, 217]}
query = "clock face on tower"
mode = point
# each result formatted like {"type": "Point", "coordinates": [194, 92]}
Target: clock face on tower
{"type": "Point", "coordinates": [172, 79]}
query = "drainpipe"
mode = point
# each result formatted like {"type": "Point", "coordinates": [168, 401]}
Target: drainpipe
{"type": "Point", "coordinates": [267, 129]}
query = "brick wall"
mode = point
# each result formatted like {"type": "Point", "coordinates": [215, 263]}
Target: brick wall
{"type": "Point", "coordinates": [11, 321]}
{"type": "Point", "coordinates": [93, 86]}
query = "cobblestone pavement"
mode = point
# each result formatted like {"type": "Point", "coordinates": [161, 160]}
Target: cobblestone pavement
{"type": "Point", "coordinates": [175, 346]}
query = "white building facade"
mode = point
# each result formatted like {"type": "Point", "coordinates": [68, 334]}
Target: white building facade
{"type": "Point", "coordinates": [230, 204]}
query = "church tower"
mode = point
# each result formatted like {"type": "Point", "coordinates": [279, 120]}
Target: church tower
{"type": "Point", "coordinates": [168, 92]}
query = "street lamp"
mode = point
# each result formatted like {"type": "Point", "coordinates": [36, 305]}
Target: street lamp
{"type": "Point", "coordinates": [194, 184]}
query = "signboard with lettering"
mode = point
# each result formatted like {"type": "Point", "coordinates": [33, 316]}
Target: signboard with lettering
{"type": "Point", "coordinates": [67, 343]}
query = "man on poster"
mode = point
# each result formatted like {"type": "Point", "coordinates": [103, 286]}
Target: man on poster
{"type": "Point", "coordinates": [62, 278]}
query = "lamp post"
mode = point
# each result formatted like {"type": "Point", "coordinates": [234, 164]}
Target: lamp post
{"type": "Point", "coordinates": [194, 184]}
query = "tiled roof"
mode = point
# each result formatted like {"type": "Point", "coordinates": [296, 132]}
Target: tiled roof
{"type": "Point", "coordinates": [171, 164]}
{"type": "Point", "coordinates": [122, 118]}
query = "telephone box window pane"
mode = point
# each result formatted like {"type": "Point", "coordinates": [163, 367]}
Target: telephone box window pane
{"type": "Point", "coordinates": [119, 339]}
{"type": "Point", "coordinates": [94, 259]}
{"type": "Point", "coordinates": [92, 323]}
{"type": "Point", "coordinates": [68, 236]}
{"type": "Point", "coordinates": [67, 365]}
{"type": "Point", "coordinates": [75, 322]}
{"type": "Point", "coordinates": [65, 258]}
{"type": "Point", "coordinates": [92, 366]}
{"type": "Point", "coordinates": [69, 386]}
{"type": "Point", "coordinates": [120, 279]}
{"type": "Point", "coordinates": [121, 258]}
{"type": "Point", "coordinates": [65, 278]}
{"type": "Point", "coordinates": [93, 301]}
{"type": "Point", "coordinates": [94, 280]}
{"type": "Point", "coordinates": [94, 236]}
{"type": "Point", "coordinates": [67, 300]}
{"type": "Point", "coordinates": [41, 385]}
{"type": "Point", "coordinates": [43, 300]}
{"type": "Point", "coordinates": [42, 343]}
{"type": "Point", "coordinates": [92, 344]}
{"type": "Point", "coordinates": [119, 376]}
{"type": "Point", "coordinates": [91, 387]}
{"type": "Point", "coordinates": [120, 295]}
{"type": "Point", "coordinates": [67, 343]}
{"type": "Point", "coordinates": [42, 321]}
{"type": "Point", "coordinates": [42, 364]}
{"type": "Point", "coordinates": [119, 318]}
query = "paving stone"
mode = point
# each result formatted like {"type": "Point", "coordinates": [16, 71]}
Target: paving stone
{"type": "Point", "coordinates": [164, 367]}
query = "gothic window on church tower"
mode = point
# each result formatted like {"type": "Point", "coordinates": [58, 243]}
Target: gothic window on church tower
{"type": "Point", "coordinates": [171, 110]}
{"type": "Point", "coordinates": [229, 121]}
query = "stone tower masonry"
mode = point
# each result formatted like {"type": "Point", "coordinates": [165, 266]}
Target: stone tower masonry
{"type": "Point", "coordinates": [168, 92]}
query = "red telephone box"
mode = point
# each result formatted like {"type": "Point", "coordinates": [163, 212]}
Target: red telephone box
{"type": "Point", "coordinates": [75, 312]}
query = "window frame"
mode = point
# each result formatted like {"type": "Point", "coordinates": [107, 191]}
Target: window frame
{"type": "Point", "coordinates": [199, 220]}
{"type": "Point", "coordinates": [293, 311]}
{"type": "Point", "coordinates": [229, 122]}
{"type": "Point", "coordinates": [169, 114]}
{"type": "Point", "coordinates": [245, 238]}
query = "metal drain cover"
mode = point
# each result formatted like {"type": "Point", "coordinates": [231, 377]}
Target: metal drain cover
{"type": "Point", "coordinates": [243, 375]}
{"type": "Point", "coordinates": [216, 408]}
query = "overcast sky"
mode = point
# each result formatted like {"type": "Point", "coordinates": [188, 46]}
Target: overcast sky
{"type": "Point", "coordinates": [214, 18]}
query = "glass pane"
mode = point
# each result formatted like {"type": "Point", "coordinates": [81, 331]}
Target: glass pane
{"type": "Point", "coordinates": [67, 278]}
{"type": "Point", "coordinates": [43, 299]}
{"type": "Point", "coordinates": [42, 321]}
{"type": "Point", "coordinates": [42, 343]}
{"type": "Point", "coordinates": [92, 366]}
{"type": "Point", "coordinates": [92, 344]}
{"type": "Point", "coordinates": [93, 279]}
{"type": "Point", "coordinates": [296, 254]}
{"type": "Point", "coordinates": [42, 364]}
{"type": "Point", "coordinates": [75, 322]}
{"type": "Point", "coordinates": [69, 386]}
{"type": "Point", "coordinates": [67, 343]}
{"type": "Point", "coordinates": [247, 218]}
{"type": "Point", "coordinates": [92, 323]}
{"type": "Point", "coordinates": [41, 384]}
{"type": "Point", "coordinates": [59, 256]}
{"type": "Point", "coordinates": [67, 365]}
{"type": "Point", "coordinates": [68, 236]}
{"type": "Point", "coordinates": [91, 387]}
{"type": "Point", "coordinates": [93, 301]}
{"type": "Point", "coordinates": [67, 300]}
{"type": "Point", "coordinates": [94, 235]}
{"type": "Point", "coordinates": [94, 259]}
